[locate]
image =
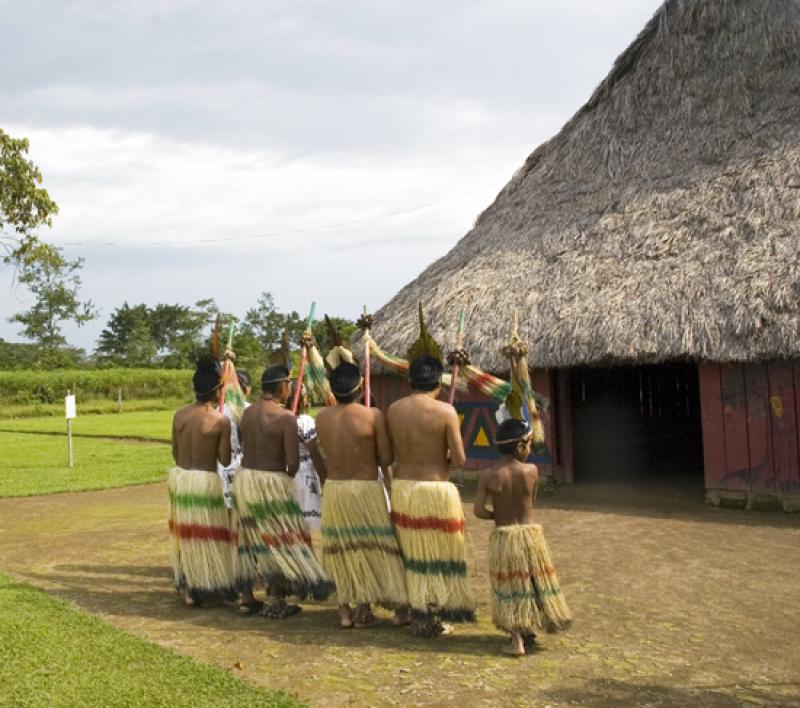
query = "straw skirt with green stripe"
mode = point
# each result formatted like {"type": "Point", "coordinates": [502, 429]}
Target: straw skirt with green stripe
{"type": "Point", "coordinates": [273, 537]}
{"type": "Point", "coordinates": [429, 522]}
{"type": "Point", "coordinates": [202, 542]}
{"type": "Point", "coordinates": [526, 595]}
{"type": "Point", "coordinates": [359, 548]}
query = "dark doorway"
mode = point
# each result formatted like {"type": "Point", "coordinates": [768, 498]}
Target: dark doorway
{"type": "Point", "coordinates": [637, 423]}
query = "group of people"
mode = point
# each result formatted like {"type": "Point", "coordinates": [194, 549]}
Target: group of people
{"type": "Point", "coordinates": [392, 524]}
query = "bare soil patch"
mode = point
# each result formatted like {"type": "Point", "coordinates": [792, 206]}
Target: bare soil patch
{"type": "Point", "coordinates": [674, 604]}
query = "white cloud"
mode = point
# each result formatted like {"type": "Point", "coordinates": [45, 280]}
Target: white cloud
{"type": "Point", "coordinates": [183, 122]}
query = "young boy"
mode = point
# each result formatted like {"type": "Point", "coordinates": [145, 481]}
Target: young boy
{"type": "Point", "coordinates": [525, 592]}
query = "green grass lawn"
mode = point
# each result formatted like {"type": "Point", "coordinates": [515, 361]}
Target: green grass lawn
{"type": "Point", "coordinates": [154, 425]}
{"type": "Point", "coordinates": [55, 411]}
{"type": "Point", "coordinates": [149, 424]}
{"type": "Point", "coordinates": [37, 464]}
{"type": "Point", "coordinates": [54, 655]}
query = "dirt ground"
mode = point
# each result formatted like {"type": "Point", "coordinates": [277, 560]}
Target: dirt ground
{"type": "Point", "coordinates": [675, 604]}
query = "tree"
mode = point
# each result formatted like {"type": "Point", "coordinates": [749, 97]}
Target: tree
{"type": "Point", "coordinates": [320, 330]}
{"type": "Point", "coordinates": [24, 206]}
{"type": "Point", "coordinates": [128, 338]}
{"type": "Point", "coordinates": [54, 283]}
{"type": "Point", "coordinates": [264, 322]}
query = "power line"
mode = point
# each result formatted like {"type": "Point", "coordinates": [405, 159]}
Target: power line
{"type": "Point", "coordinates": [271, 234]}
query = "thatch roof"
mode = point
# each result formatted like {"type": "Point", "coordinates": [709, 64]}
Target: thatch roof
{"type": "Point", "coordinates": [662, 222]}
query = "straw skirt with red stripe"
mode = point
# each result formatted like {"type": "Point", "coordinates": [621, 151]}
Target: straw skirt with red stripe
{"type": "Point", "coordinates": [526, 595]}
{"type": "Point", "coordinates": [202, 541]}
{"type": "Point", "coordinates": [429, 523]}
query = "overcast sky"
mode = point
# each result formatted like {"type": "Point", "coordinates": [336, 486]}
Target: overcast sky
{"type": "Point", "coordinates": [324, 151]}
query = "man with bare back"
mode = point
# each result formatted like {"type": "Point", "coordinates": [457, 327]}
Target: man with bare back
{"type": "Point", "coordinates": [274, 540]}
{"type": "Point", "coordinates": [426, 506]}
{"type": "Point", "coordinates": [201, 537]}
{"type": "Point", "coordinates": [526, 595]}
{"type": "Point", "coordinates": [359, 548]}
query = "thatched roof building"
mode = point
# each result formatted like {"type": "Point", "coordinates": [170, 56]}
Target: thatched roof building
{"type": "Point", "coordinates": [661, 223]}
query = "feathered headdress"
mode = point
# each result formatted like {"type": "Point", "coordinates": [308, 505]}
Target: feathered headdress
{"type": "Point", "coordinates": [425, 344]}
{"type": "Point", "coordinates": [282, 355]}
{"type": "Point", "coordinates": [340, 351]}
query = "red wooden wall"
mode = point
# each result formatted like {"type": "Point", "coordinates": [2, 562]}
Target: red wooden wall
{"type": "Point", "coordinates": [750, 418]}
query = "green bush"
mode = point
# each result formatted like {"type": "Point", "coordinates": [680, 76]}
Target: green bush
{"type": "Point", "coordinates": [37, 387]}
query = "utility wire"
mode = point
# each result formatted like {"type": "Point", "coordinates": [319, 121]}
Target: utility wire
{"type": "Point", "coordinates": [270, 234]}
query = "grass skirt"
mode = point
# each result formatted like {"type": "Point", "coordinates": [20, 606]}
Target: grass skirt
{"type": "Point", "coordinates": [359, 548]}
{"type": "Point", "coordinates": [526, 595]}
{"type": "Point", "coordinates": [202, 541]}
{"type": "Point", "coordinates": [274, 540]}
{"type": "Point", "coordinates": [429, 522]}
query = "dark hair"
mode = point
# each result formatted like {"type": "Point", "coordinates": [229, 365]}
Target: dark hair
{"type": "Point", "coordinates": [206, 379]}
{"type": "Point", "coordinates": [273, 377]}
{"type": "Point", "coordinates": [245, 380]}
{"type": "Point", "coordinates": [511, 429]}
{"type": "Point", "coordinates": [345, 380]}
{"type": "Point", "coordinates": [425, 373]}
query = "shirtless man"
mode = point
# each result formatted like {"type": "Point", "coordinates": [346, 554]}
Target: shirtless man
{"type": "Point", "coordinates": [426, 507]}
{"type": "Point", "coordinates": [274, 541]}
{"type": "Point", "coordinates": [526, 595]}
{"type": "Point", "coordinates": [359, 548]}
{"type": "Point", "coordinates": [201, 535]}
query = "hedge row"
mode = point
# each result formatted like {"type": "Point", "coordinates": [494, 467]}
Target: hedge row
{"type": "Point", "coordinates": [22, 387]}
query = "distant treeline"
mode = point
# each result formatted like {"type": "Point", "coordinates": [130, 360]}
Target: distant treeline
{"type": "Point", "coordinates": [27, 387]}
{"type": "Point", "coordinates": [171, 337]}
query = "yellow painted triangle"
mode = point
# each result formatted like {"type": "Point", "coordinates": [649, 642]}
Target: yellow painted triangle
{"type": "Point", "coordinates": [480, 439]}
{"type": "Point", "coordinates": [461, 419]}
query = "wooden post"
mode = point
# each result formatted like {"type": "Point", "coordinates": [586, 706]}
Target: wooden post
{"type": "Point", "coordinates": [69, 414]}
{"type": "Point", "coordinates": [119, 399]}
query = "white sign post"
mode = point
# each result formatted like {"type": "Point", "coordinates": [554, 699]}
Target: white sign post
{"type": "Point", "coordinates": [69, 414]}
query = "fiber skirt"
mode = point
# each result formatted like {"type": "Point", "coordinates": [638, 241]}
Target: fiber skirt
{"type": "Point", "coordinates": [359, 548]}
{"type": "Point", "coordinates": [430, 527]}
{"type": "Point", "coordinates": [274, 540]}
{"type": "Point", "coordinates": [201, 538]}
{"type": "Point", "coordinates": [526, 595]}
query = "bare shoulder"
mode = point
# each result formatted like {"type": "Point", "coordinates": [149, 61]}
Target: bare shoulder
{"type": "Point", "coordinates": [396, 408]}
{"type": "Point", "coordinates": [377, 415]}
{"type": "Point", "coordinates": [531, 472]}
{"type": "Point", "coordinates": [322, 416]}
{"type": "Point", "coordinates": [183, 412]}
{"type": "Point", "coordinates": [446, 409]}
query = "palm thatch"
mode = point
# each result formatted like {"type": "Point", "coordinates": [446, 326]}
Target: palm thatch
{"type": "Point", "coordinates": [662, 222]}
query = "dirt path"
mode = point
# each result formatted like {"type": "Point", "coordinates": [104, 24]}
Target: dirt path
{"type": "Point", "coordinates": [675, 604]}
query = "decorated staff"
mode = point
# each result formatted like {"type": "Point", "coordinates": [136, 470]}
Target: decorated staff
{"type": "Point", "coordinates": [521, 402]}
{"type": "Point", "coordinates": [303, 357]}
{"type": "Point", "coordinates": [230, 393]}
{"type": "Point", "coordinates": [457, 357]}
{"type": "Point", "coordinates": [365, 325]}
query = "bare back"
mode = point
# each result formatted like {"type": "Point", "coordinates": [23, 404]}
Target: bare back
{"type": "Point", "coordinates": [512, 489]}
{"type": "Point", "coordinates": [201, 436]}
{"type": "Point", "coordinates": [426, 438]}
{"type": "Point", "coordinates": [269, 438]}
{"type": "Point", "coordinates": [355, 441]}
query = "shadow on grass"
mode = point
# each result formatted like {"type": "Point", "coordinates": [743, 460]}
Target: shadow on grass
{"type": "Point", "coordinates": [147, 592]}
{"type": "Point", "coordinates": [607, 692]}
